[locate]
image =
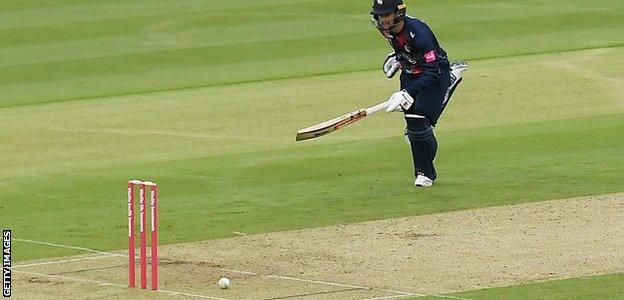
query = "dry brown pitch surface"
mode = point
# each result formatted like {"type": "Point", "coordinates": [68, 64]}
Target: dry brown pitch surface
{"type": "Point", "coordinates": [423, 255]}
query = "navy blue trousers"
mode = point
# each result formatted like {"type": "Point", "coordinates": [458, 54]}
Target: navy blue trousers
{"type": "Point", "coordinates": [428, 102]}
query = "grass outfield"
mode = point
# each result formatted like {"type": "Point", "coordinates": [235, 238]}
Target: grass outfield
{"type": "Point", "coordinates": [204, 97]}
{"type": "Point", "coordinates": [219, 178]}
{"type": "Point", "coordinates": [55, 51]}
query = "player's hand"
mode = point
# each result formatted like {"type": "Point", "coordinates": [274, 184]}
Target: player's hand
{"type": "Point", "coordinates": [400, 99]}
{"type": "Point", "coordinates": [391, 65]}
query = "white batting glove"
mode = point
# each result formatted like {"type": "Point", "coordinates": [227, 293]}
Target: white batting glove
{"type": "Point", "coordinates": [399, 99]}
{"type": "Point", "coordinates": [391, 65]}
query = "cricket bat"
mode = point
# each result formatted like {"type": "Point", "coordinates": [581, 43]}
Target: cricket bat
{"type": "Point", "coordinates": [334, 124]}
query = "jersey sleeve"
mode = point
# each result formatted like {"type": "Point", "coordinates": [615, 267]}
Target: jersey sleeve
{"type": "Point", "coordinates": [427, 60]}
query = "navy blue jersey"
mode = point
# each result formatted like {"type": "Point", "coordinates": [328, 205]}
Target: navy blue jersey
{"type": "Point", "coordinates": [420, 54]}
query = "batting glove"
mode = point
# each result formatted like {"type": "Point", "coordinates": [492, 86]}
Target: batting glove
{"type": "Point", "coordinates": [399, 99]}
{"type": "Point", "coordinates": [391, 65]}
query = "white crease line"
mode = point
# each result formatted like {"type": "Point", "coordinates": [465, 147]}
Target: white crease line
{"type": "Point", "coordinates": [67, 247]}
{"type": "Point", "coordinates": [442, 296]}
{"type": "Point", "coordinates": [64, 261]}
{"type": "Point", "coordinates": [389, 297]}
{"type": "Point", "coordinates": [448, 297]}
{"type": "Point", "coordinates": [236, 271]}
{"type": "Point", "coordinates": [319, 282]}
{"type": "Point", "coordinates": [173, 293]}
{"type": "Point", "coordinates": [104, 283]}
{"type": "Point", "coordinates": [401, 293]}
{"type": "Point", "coordinates": [414, 295]}
{"type": "Point", "coordinates": [345, 285]}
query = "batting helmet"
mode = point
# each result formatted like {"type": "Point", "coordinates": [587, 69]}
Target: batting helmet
{"type": "Point", "coordinates": [382, 7]}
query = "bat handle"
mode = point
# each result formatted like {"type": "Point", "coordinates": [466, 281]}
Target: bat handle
{"type": "Point", "coordinates": [373, 109]}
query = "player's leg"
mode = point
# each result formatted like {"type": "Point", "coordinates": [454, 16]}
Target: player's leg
{"type": "Point", "coordinates": [420, 119]}
{"type": "Point", "coordinates": [431, 101]}
{"type": "Point", "coordinates": [424, 146]}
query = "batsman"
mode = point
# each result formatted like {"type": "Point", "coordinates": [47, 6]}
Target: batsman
{"type": "Point", "coordinates": [426, 80]}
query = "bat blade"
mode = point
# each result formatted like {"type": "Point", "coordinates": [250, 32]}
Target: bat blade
{"type": "Point", "coordinates": [330, 125]}
{"type": "Point", "coordinates": [339, 122]}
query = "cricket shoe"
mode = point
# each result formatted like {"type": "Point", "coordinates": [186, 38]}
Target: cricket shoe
{"type": "Point", "coordinates": [423, 181]}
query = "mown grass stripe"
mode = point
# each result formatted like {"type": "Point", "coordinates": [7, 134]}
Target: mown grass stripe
{"type": "Point", "coordinates": [274, 79]}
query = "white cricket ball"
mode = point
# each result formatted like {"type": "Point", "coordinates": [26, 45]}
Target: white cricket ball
{"type": "Point", "coordinates": [224, 283]}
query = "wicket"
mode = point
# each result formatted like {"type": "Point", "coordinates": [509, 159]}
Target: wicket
{"type": "Point", "coordinates": [143, 233]}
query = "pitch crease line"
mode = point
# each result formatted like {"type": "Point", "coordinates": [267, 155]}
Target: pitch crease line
{"type": "Point", "coordinates": [68, 247]}
{"type": "Point", "coordinates": [64, 261]}
{"type": "Point", "coordinates": [389, 297]}
{"type": "Point", "coordinates": [345, 285]}
{"type": "Point", "coordinates": [448, 297]}
{"type": "Point", "coordinates": [104, 283]}
{"type": "Point", "coordinates": [318, 282]}
{"type": "Point", "coordinates": [415, 295]}
{"type": "Point", "coordinates": [173, 293]}
{"type": "Point", "coordinates": [236, 271]}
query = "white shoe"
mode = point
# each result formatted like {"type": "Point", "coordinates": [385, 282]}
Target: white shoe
{"type": "Point", "coordinates": [423, 181]}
